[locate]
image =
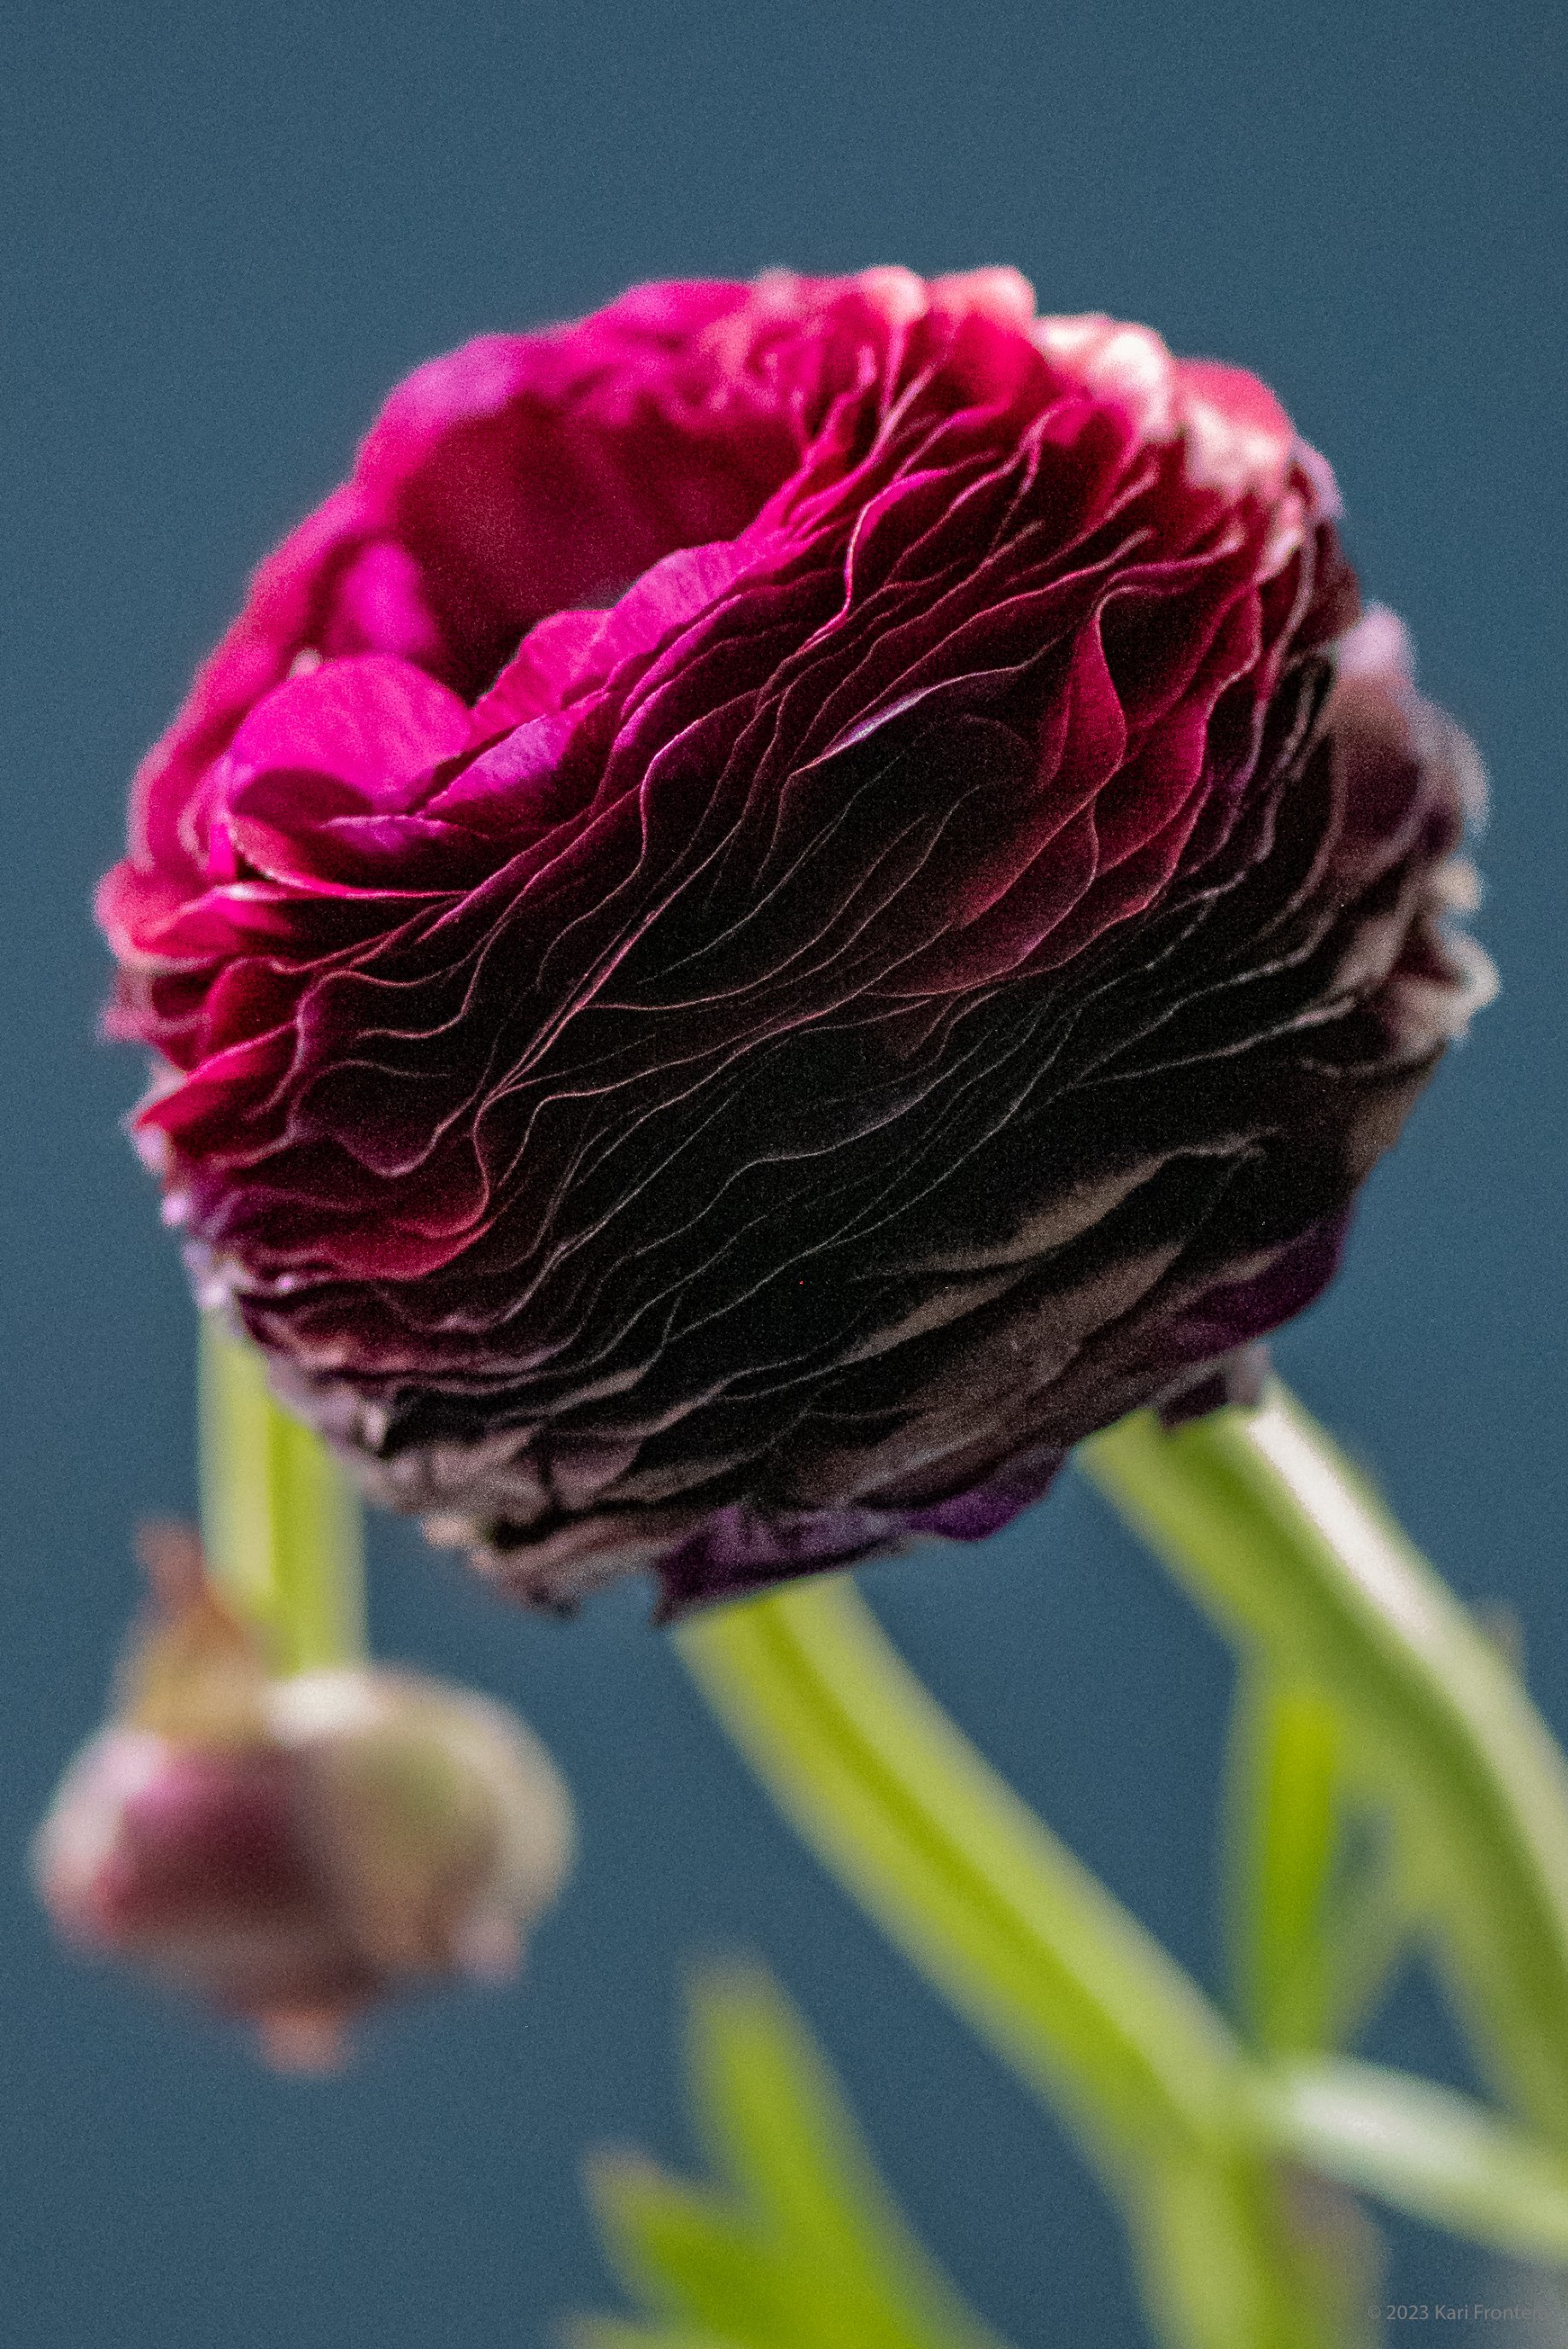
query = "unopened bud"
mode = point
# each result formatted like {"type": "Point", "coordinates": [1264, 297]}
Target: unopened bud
{"type": "Point", "coordinates": [292, 1850]}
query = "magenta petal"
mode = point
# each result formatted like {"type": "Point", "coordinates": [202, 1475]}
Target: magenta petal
{"type": "Point", "coordinates": [372, 723]}
{"type": "Point", "coordinates": [379, 607]}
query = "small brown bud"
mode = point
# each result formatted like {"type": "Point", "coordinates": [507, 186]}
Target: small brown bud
{"type": "Point", "coordinates": [292, 1850]}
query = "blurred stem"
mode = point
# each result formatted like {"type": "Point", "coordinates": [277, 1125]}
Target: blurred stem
{"type": "Point", "coordinates": [1282, 1841]}
{"type": "Point", "coordinates": [280, 1523]}
{"type": "Point", "coordinates": [1375, 1919]}
{"type": "Point", "coordinates": [1421, 2148]}
{"type": "Point", "coordinates": [1322, 1902]}
{"type": "Point", "coordinates": [1021, 1939]}
{"type": "Point", "coordinates": [1277, 1538]}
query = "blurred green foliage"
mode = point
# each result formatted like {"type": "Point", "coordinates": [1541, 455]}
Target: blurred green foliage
{"type": "Point", "coordinates": [795, 2244]}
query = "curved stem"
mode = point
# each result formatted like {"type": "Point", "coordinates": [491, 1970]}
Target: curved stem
{"type": "Point", "coordinates": [1279, 1541]}
{"type": "Point", "coordinates": [280, 1523]}
{"type": "Point", "coordinates": [1281, 1847]}
{"type": "Point", "coordinates": [1024, 1940]}
{"type": "Point", "coordinates": [1421, 2148]}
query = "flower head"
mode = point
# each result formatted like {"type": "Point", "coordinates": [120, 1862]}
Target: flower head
{"type": "Point", "coordinates": [292, 1850]}
{"type": "Point", "coordinates": [798, 894]}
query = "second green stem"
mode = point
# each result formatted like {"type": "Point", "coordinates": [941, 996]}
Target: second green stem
{"type": "Point", "coordinates": [282, 1526]}
{"type": "Point", "coordinates": [1278, 1539]}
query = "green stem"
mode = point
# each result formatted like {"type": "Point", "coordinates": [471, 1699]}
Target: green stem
{"type": "Point", "coordinates": [1281, 1846]}
{"type": "Point", "coordinates": [1020, 1937]}
{"type": "Point", "coordinates": [280, 1523]}
{"type": "Point", "coordinates": [1277, 1538]}
{"type": "Point", "coordinates": [1421, 2148]}
{"type": "Point", "coordinates": [1377, 1919]}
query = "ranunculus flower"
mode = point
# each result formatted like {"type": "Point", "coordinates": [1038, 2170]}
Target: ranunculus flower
{"type": "Point", "coordinates": [800, 894]}
{"type": "Point", "coordinates": [292, 1850]}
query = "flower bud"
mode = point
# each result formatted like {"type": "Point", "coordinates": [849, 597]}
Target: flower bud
{"type": "Point", "coordinates": [292, 1850]}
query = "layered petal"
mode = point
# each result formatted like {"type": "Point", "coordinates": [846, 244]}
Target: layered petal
{"type": "Point", "coordinates": [798, 896]}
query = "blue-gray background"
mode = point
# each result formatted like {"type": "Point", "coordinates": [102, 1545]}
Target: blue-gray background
{"type": "Point", "coordinates": [230, 229]}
